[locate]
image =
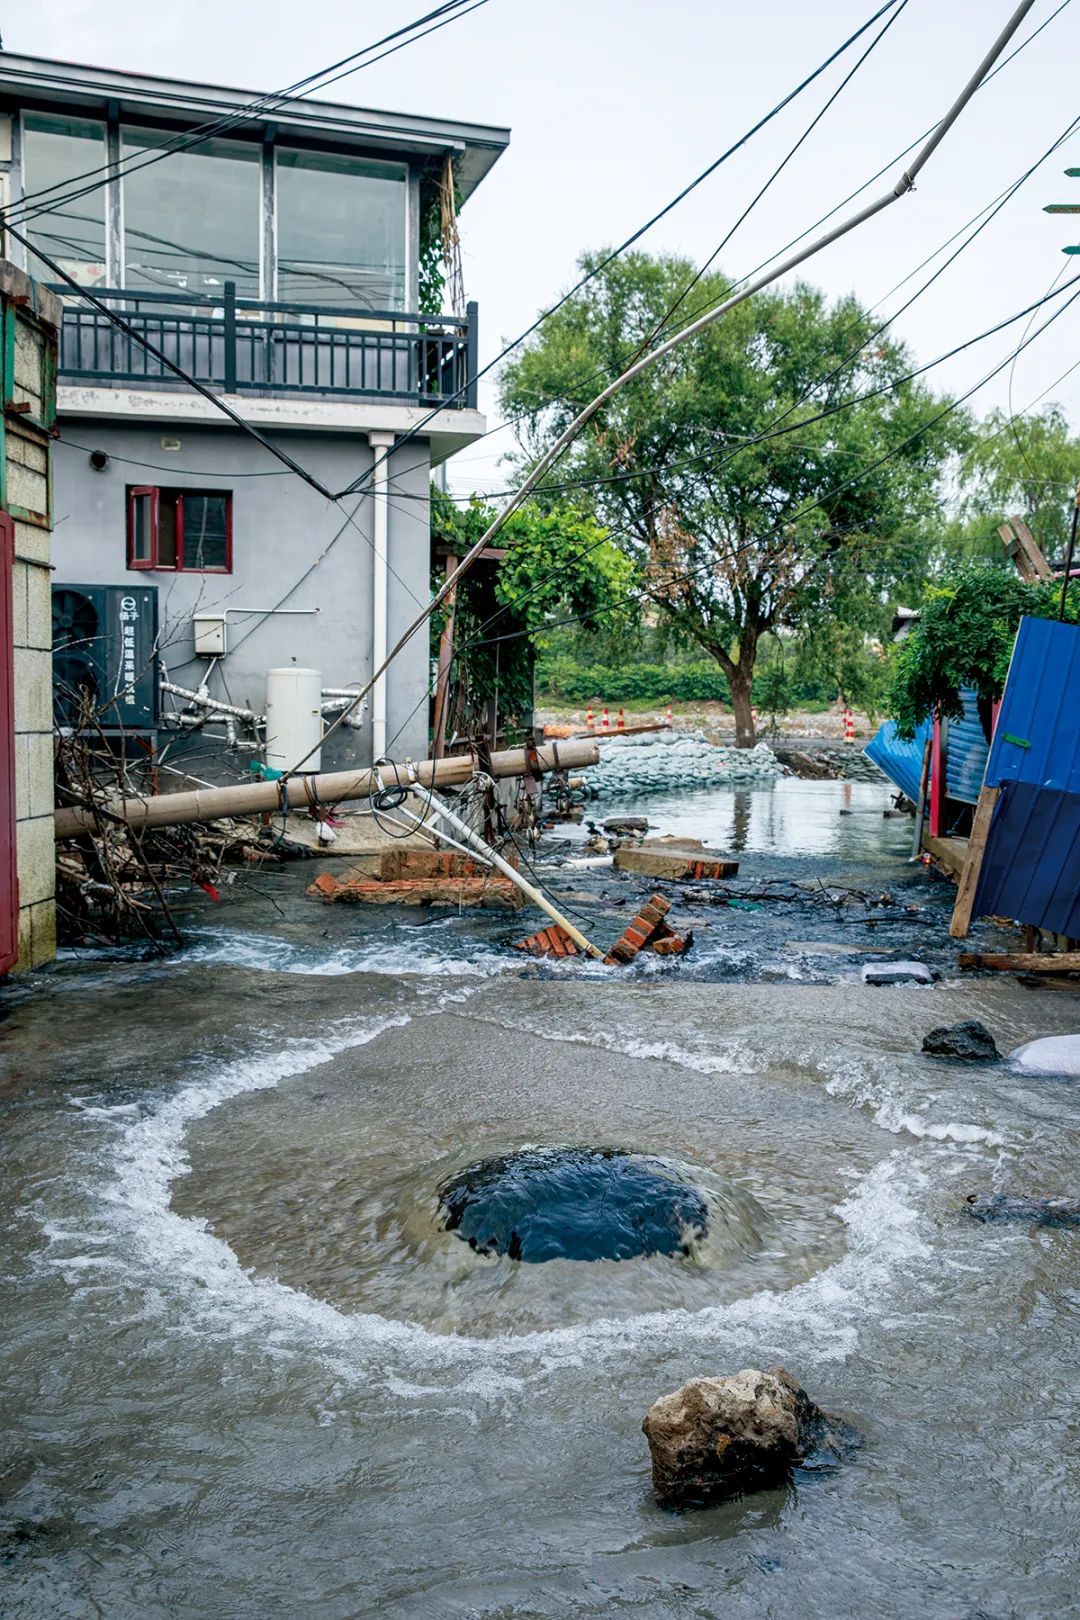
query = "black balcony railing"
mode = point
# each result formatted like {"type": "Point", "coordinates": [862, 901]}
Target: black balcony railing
{"type": "Point", "coordinates": [245, 346]}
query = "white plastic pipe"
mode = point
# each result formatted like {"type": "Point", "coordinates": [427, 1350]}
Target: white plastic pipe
{"type": "Point", "coordinates": [380, 536]}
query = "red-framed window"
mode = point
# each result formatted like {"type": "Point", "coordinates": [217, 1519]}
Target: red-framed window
{"type": "Point", "coordinates": [187, 531]}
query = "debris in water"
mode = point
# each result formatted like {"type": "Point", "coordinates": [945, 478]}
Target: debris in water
{"type": "Point", "coordinates": [675, 858]}
{"type": "Point", "coordinates": [879, 973]}
{"type": "Point", "coordinates": [573, 1203]}
{"type": "Point", "coordinates": [1052, 1054]}
{"type": "Point", "coordinates": [990, 1207]}
{"type": "Point", "coordinates": [719, 1437]}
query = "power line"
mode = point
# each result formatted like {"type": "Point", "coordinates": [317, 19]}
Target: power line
{"type": "Point", "coordinates": [252, 109]}
{"type": "Point", "coordinates": [590, 275]}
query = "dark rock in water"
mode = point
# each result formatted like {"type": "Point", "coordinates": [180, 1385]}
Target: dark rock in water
{"type": "Point", "coordinates": [626, 824]}
{"type": "Point", "coordinates": [969, 1042]}
{"type": "Point", "coordinates": [573, 1203]}
{"type": "Point", "coordinates": [719, 1437]}
{"type": "Point", "coordinates": [990, 1207]}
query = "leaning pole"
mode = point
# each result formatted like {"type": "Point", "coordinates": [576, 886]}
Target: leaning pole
{"type": "Point", "coordinates": [300, 792]}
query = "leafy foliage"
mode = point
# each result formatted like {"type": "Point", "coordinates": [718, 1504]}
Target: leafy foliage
{"type": "Point", "coordinates": [734, 538]}
{"type": "Point", "coordinates": [557, 563]}
{"type": "Point", "coordinates": [1026, 464]}
{"type": "Point", "coordinates": [964, 637]}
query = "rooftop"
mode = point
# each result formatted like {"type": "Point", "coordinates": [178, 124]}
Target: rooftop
{"type": "Point", "coordinates": [40, 82]}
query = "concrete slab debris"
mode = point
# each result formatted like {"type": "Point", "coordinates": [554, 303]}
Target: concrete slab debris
{"type": "Point", "coordinates": [880, 973]}
{"type": "Point", "coordinates": [676, 859]}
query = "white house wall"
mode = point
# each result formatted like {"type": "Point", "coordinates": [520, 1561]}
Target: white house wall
{"type": "Point", "coordinates": [280, 527]}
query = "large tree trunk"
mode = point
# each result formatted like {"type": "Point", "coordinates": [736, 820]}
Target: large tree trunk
{"type": "Point", "coordinates": [740, 677]}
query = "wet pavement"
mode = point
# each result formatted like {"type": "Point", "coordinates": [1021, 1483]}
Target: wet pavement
{"type": "Point", "coordinates": [247, 1372]}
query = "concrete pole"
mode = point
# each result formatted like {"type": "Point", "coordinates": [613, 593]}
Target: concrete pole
{"type": "Point", "coordinates": [334, 787]}
{"type": "Point", "coordinates": [380, 445]}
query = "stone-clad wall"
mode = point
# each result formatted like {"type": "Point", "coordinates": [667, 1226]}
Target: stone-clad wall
{"type": "Point", "coordinates": [30, 319]}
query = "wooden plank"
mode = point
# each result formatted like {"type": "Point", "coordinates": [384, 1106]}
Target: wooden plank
{"type": "Point", "coordinates": [969, 877]}
{"type": "Point", "coordinates": [1029, 549]}
{"type": "Point", "coordinates": [1022, 961]}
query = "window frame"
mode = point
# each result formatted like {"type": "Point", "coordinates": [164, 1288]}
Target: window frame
{"type": "Point", "coordinates": [155, 492]}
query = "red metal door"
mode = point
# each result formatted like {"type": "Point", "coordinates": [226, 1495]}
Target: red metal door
{"type": "Point", "coordinates": [9, 879]}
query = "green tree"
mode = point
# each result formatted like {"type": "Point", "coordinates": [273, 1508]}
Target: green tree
{"type": "Point", "coordinates": [1028, 465]}
{"type": "Point", "coordinates": [735, 539]}
{"type": "Point", "coordinates": [557, 563]}
{"type": "Point", "coordinates": [964, 637]}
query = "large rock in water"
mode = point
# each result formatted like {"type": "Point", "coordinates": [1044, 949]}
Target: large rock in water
{"type": "Point", "coordinates": [717, 1437]}
{"type": "Point", "coordinates": [969, 1042]}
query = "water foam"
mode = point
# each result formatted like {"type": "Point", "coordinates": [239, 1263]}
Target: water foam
{"type": "Point", "coordinates": [193, 1282]}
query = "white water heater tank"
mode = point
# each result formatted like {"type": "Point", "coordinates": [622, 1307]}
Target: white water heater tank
{"type": "Point", "coordinates": [294, 723]}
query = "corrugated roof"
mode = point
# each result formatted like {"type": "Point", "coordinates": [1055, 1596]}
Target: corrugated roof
{"type": "Point", "coordinates": [1038, 731]}
{"type": "Point", "coordinates": [901, 761]}
{"type": "Point", "coordinates": [966, 752]}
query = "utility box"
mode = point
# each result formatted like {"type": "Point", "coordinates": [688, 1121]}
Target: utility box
{"type": "Point", "coordinates": [294, 725]}
{"type": "Point", "coordinates": [211, 635]}
{"type": "Point", "coordinates": [105, 658]}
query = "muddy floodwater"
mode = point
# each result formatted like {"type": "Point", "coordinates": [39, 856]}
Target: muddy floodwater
{"type": "Point", "coordinates": [249, 1372]}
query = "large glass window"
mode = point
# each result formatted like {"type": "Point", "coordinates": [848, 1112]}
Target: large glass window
{"type": "Point", "coordinates": [191, 222]}
{"type": "Point", "coordinates": [340, 231]}
{"type": "Point", "coordinates": [69, 153]}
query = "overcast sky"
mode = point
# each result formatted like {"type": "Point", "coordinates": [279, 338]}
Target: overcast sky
{"type": "Point", "coordinates": [614, 107]}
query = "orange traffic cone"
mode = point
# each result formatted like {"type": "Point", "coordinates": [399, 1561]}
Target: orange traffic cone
{"type": "Point", "coordinates": [849, 726]}
{"type": "Point", "coordinates": [621, 723]}
{"type": "Point", "coordinates": [589, 721]}
{"type": "Point", "coordinates": [669, 714]}
{"type": "Point", "coordinates": [605, 723]}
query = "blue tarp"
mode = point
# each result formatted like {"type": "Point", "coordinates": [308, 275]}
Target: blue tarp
{"type": "Point", "coordinates": [901, 761]}
{"type": "Point", "coordinates": [1031, 867]}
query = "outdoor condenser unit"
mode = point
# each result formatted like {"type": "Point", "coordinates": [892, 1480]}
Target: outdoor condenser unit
{"type": "Point", "coordinates": [105, 667]}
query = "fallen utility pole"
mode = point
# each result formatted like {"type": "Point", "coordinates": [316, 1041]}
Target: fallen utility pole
{"type": "Point", "coordinates": [334, 787]}
{"type": "Point", "coordinates": [905, 184]}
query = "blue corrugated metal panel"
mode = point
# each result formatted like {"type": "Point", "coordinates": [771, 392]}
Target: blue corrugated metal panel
{"type": "Point", "coordinates": [966, 752]}
{"type": "Point", "coordinates": [901, 761]}
{"type": "Point", "coordinates": [1038, 731]}
{"type": "Point", "coordinates": [1031, 869]}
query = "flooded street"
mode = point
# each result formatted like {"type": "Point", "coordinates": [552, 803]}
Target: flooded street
{"type": "Point", "coordinates": [248, 1373]}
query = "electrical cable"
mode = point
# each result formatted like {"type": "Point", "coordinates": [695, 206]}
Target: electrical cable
{"type": "Point", "coordinates": [615, 253]}
{"type": "Point", "coordinates": [245, 114]}
{"type": "Point", "coordinates": [646, 594]}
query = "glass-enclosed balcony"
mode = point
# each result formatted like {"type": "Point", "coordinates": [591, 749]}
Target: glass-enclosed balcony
{"type": "Point", "coordinates": [254, 267]}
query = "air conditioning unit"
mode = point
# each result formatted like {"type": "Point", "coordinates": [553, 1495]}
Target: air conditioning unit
{"type": "Point", "coordinates": [105, 666]}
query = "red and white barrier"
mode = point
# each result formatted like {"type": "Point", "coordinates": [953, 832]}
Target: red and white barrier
{"type": "Point", "coordinates": [620, 724]}
{"type": "Point", "coordinates": [590, 721]}
{"type": "Point", "coordinates": [849, 726]}
{"type": "Point", "coordinates": [605, 721]}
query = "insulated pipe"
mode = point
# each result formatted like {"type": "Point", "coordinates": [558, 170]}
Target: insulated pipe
{"type": "Point", "coordinates": [335, 787]}
{"type": "Point", "coordinates": [379, 443]}
{"type": "Point", "coordinates": [206, 701]}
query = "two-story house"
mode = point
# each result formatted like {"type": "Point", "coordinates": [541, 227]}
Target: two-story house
{"type": "Point", "coordinates": [273, 250]}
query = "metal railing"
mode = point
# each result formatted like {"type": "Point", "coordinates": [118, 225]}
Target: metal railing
{"type": "Point", "coordinates": [248, 346]}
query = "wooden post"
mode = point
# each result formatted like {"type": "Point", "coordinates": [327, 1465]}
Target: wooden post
{"type": "Point", "coordinates": [969, 877]}
{"type": "Point", "coordinates": [446, 659]}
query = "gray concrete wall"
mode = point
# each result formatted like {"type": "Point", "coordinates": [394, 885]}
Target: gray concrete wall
{"type": "Point", "coordinates": [281, 529]}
